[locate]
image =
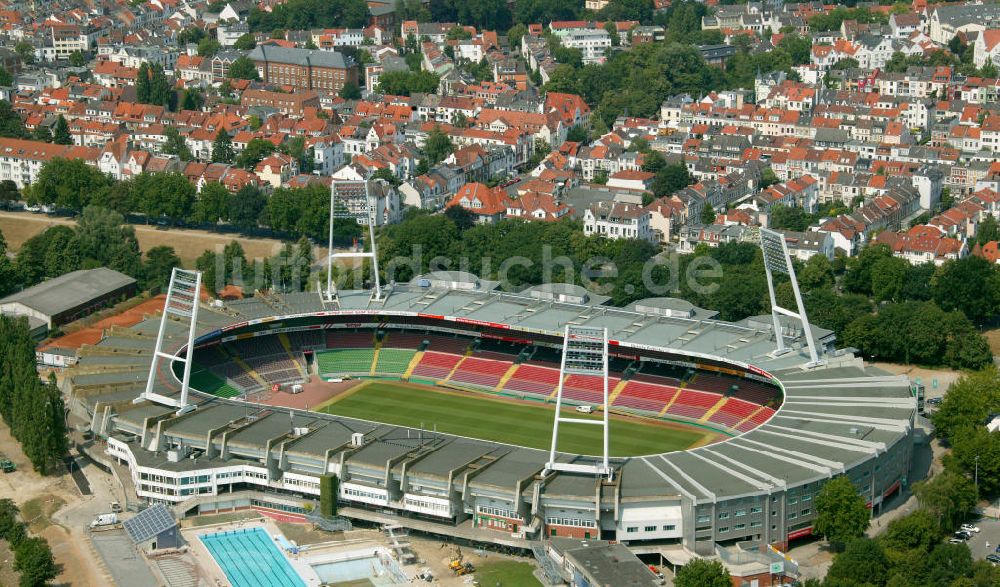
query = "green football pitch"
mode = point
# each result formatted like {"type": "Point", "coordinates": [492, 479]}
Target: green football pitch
{"type": "Point", "coordinates": [510, 422]}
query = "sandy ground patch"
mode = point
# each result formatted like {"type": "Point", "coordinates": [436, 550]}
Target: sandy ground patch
{"type": "Point", "coordinates": [18, 227]}
{"type": "Point", "coordinates": [52, 497]}
{"type": "Point", "coordinates": [927, 376]}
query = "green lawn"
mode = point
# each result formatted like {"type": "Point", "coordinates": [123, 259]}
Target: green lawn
{"type": "Point", "coordinates": [506, 574]}
{"type": "Point", "coordinates": [468, 414]}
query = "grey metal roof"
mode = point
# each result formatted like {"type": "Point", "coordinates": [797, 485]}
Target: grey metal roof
{"type": "Point", "coordinates": [833, 417]}
{"type": "Point", "coordinates": [70, 291]}
{"type": "Point", "coordinates": [303, 57]}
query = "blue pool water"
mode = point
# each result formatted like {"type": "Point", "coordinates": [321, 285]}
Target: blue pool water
{"type": "Point", "coordinates": [250, 559]}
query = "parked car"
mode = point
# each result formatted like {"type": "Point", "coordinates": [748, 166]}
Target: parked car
{"type": "Point", "coordinates": [934, 401]}
{"type": "Point", "coordinates": [993, 558]}
{"type": "Point", "coordinates": [955, 541]}
{"type": "Point", "coordinates": [968, 528]}
{"type": "Point", "coordinates": [963, 535]}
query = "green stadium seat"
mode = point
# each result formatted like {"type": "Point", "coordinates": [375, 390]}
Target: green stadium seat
{"type": "Point", "coordinates": [394, 361]}
{"type": "Point", "coordinates": [345, 361]}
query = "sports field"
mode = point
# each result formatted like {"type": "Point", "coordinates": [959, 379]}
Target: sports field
{"type": "Point", "coordinates": [511, 422]}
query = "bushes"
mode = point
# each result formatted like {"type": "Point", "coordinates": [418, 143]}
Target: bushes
{"type": "Point", "coordinates": [32, 555]}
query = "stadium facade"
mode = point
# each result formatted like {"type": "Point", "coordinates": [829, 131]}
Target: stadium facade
{"type": "Point", "coordinates": [758, 484]}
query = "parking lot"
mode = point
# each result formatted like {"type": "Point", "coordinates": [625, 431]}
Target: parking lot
{"type": "Point", "coordinates": [989, 533]}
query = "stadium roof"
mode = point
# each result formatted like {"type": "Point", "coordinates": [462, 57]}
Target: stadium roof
{"type": "Point", "coordinates": [834, 417]}
{"type": "Point", "coordinates": [70, 291]}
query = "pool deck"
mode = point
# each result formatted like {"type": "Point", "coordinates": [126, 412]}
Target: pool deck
{"type": "Point", "coordinates": [302, 562]}
{"type": "Point", "coordinates": [208, 563]}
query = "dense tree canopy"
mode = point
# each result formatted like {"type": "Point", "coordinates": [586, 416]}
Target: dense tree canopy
{"type": "Point", "coordinates": [841, 513]}
{"type": "Point", "coordinates": [33, 410]}
{"type": "Point", "coordinates": [405, 83]}
{"type": "Point", "coordinates": [309, 14]}
{"type": "Point", "coordinates": [703, 573]}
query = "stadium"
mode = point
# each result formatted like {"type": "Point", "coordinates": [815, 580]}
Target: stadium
{"type": "Point", "coordinates": [433, 405]}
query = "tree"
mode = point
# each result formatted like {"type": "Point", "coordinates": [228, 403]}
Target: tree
{"type": "Point", "coordinates": [25, 52]}
{"type": "Point", "coordinates": [703, 573]}
{"type": "Point", "coordinates": [103, 239]}
{"type": "Point", "coordinates": [67, 183]}
{"type": "Point", "coordinates": [41, 133]}
{"type": "Point", "coordinates": [462, 218]}
{"type": "Point", "coordinates": [168, 195]}
{"type": "Point", "coordinates": [405, 83]}
{"type": "Point", "coordinates": [222, 147]}
{"type": "Point", "coordinates": [350, 91]}
{"type": "Point", "coordinates": [175, 144]}
{"type": "Point", "coordinates": [191, 34]}
{"type": "Point", "coordinates": [156, 270]}
{"type": "Point", "coordinates": [841, 513]}
{"type": "Point", "coordinates": [862, 561]}
{"type": "Point", "coordinates": [6, 79]}
{"type": "Point", "coordinates": [8, 276]}
{"type": "Point", "coordinates": [971, 285]}
{"type": "Point", "coordinates": [988, 231]}
{"type": "Point", "coordinates": [438, 146]}
{"type": "Point", "coordinates": [918, 530]}
{"type": "Point", "coordinates": [77, 59]}
{"type": "Point", "coordinates": [969, 401]}
{"type": "Point", "coordinates": [11, 125]}
{"type": "Point", "coordinates": [255, 152]}
{"type": "Point", "coordinates": [889, 279]}
{"type": "Point", "coordinates": [246, 42]}
{"type": "Point", "coordinates": [707, 214]}
{"type": "Point", "coordinates": [514, 35]}
{"type": "Point", "coordinates": [61, 135]}
{"type": "Point", "coordinates": [212, 205]}
{"type": "Point", "coordinates": [799, 48]}
{"type": "Point", "coordinates": [789, 218]}
{"type": "Point", "coordinates": [33, 559]}
{"type": "Point", "coordinates": [243, 68]}
{"type": "Point", "coordinates": [152, 86]}
{"type": "Point", "coordinates": [208, 47]}
{"type": "Point", "coordinates": [193, 99]}
{"type": "Point", "coordinates": [670, 179]}
{"type": "Point", "coordinates": [310, 14]}
{"type": "Point", "coordinates": [948, 497]}
{"type": "Point", "coordinates": [246, 206]}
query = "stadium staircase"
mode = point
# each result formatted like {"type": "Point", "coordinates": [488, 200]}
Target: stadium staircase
{"type": "Point", "coordinates": [417, 356]}
{"type": "Point", "coordinates": [287, 345]}
{"type": "Point", "coordinates": [677, 394]}
{"type": "Point", "coordinates": [378, 349]}
{"type": "Point", "coordinates": [622, 384]}
{"type": "Point", "coordinates": [506, 376]}
{"type": "Point", "coordinates": [468, 353]}
{"type": "Point", "coordinates": [246, 367]}
{"type": "Point", "coordinates": [712, 410]}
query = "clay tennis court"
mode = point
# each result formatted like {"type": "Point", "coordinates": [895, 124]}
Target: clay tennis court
{"type": "Point", "coordinates": [92, 334]}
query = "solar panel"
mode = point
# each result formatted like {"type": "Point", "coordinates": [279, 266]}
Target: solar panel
{"type": "Point", "coordinates": [149, 523]}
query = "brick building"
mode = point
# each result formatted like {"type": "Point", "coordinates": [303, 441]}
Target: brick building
{"type": "Point", "coordinates": [304, 68]}
{"type": "Point", "coordinates": [288, 104]}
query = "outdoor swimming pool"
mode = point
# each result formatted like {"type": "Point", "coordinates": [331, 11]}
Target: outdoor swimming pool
{"type": "Point", "coordinates": [250, 559]}
{"type": "Point", "coordinates": [379, 570]}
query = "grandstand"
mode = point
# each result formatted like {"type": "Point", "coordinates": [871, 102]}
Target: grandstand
{"type": "Point", "coordinates": [786, 426]}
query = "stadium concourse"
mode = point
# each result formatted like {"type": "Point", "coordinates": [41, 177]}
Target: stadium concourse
{"type": "Point", "coordinates": [785, 426]}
